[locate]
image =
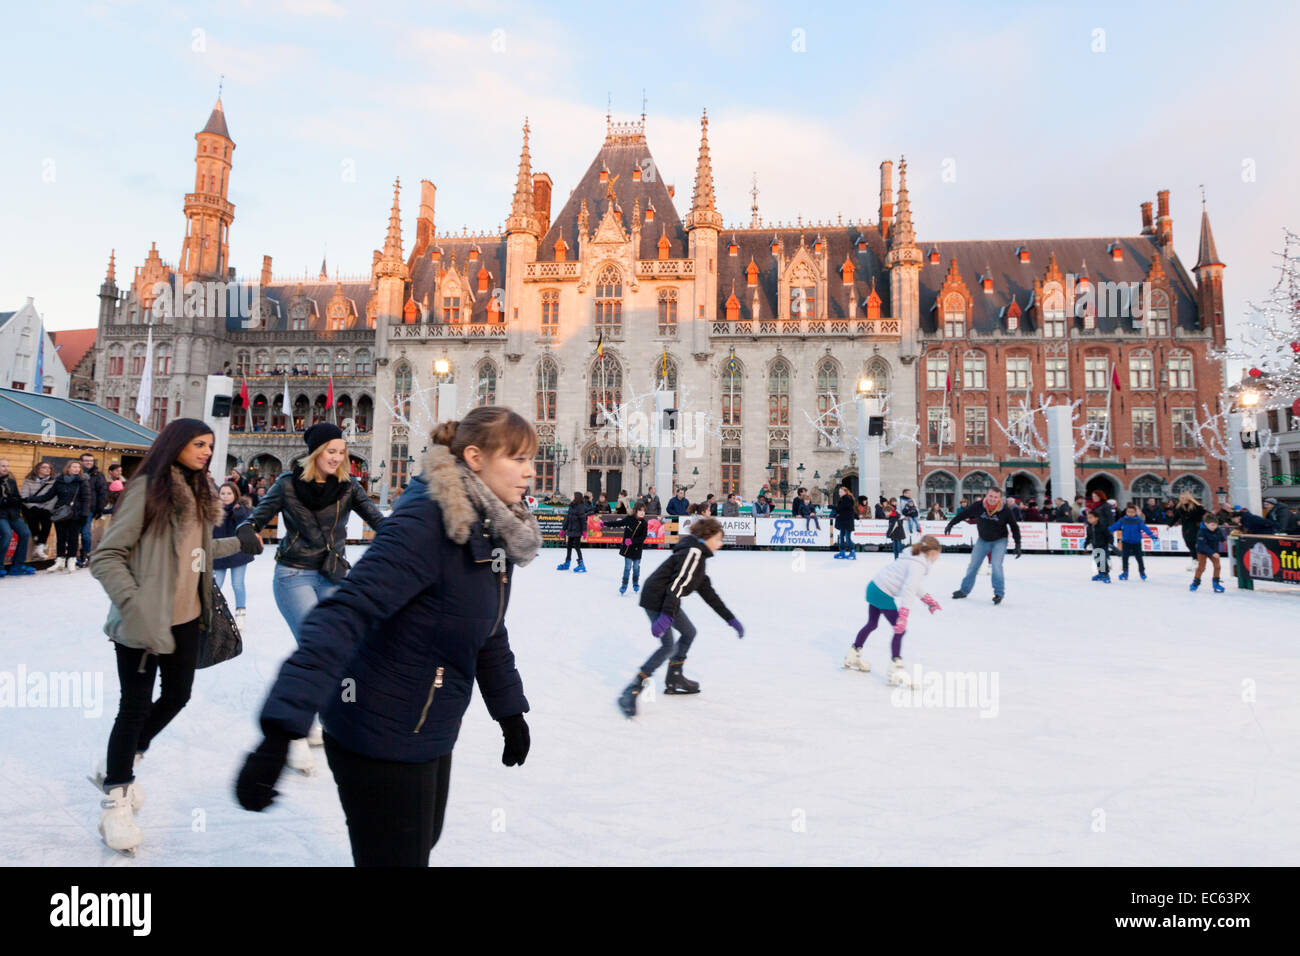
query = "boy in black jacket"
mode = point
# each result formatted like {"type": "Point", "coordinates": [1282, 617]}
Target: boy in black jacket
{"type": "Point", "coordinates": [1099, 537]}
{"type": "Point", "coordinates": [633, 544]}
{"type": "Point", "coordinates": [682, 574]}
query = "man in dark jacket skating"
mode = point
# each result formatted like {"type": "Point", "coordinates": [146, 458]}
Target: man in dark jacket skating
{"type": "Point", "coordinates": [993, 520]}
{"type": "Point", "coordinates": [682, 574]}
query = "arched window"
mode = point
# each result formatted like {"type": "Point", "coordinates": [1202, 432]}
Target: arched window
{"type": "Point", "coordinates": [550, 312]}
{"type": "Point", "coordinates": [936, 370]}
{"type": "Point", "coordinates": [301, 409]}
{"type": "Point", "coordinates": [548, 377]}
{"type": "Point", "coordinates": [976, 484]}
{"type": "Point", "coordinates": [606, 390]}
{"type": "Point", "coordinates": [665, 373]}
{"type": "Point", "coordinates": [879, 375]}
{"type": "Point", "coordinates": [242, 362]}
{"type": "Point", "coordinates": [1140, 365]}
{"type": "Point", "coordinates": [485, 384]}
{"type": "Point", "coordinates": [343, 409]}
{"type": "Point", "coordinates": [301, 363]}
{"type": "Point", "coordinates": [319, 410]}
{"type": "Point", "coordinates": [828, 397]}
{"type": "Point", "coordinates": [402, 390]}
{"type": "Point", "coordinates": [137, 359]}
{"type": "Point", "coordinates": [322, 362]}
{"type": "Point", "coordinates": [778, 393]}
{"type": "Point", "coordinates": [260, 408]}
{"type": "Point", "coordinates": [973, 367]}
{"type": "Point", "coordinates": [1148, 486]}
{"type": "Point", "coordinates": [281, 361]}
{"type": "Point", "coordinates": [1195, 486]}
{"type": "Point", "coordinates": [365, 413]}
{"type": "Point", "coordinates": [730, 468]}
{"type": "Point", "coordinates": [117, 360]}
{"type": "Point", "coordinates": [364, 362]}
{"type": "Point", "coordinates": [1180, 370]}
{"type": "Point", "coordinates": [262, 363]}
{"type": "Point", "coordinates": [609, 301]}
{"type": "Point", "coordinates": [1159, 306]}
{"type": "Point", "coordinates": [667, 311]}
{"type": "Point", "coordinates": [954, 317]}
{"type": "Point", "coordinates": [941, 489]}
{"type": "Point", "coordinates": [163, 360]}
{"type": "Point", "coordinates": [544, 470]}
{"type": "Point", "coordinates": [342, 362]}
{"type": "Point", "coordinates": [731, 394]}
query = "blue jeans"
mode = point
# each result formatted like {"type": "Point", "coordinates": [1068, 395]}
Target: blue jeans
{"type": "Point", "coordinates": [7, 527]}
{"type": "Point", "coordinates": [236, 581]}
{"type": "Point", "coordinates": [297, 591]}
{"type": "Point", "coordinates": [85, 537]}
{"type": "Point", "coordinates": [682, 624]}
{"type": "Point", "coordinates": [898, 549]}
{"type": "Point", "coordinates": [913, 525]}
{"type": "Point", "coordinates": [978, 553]}
{"type": "Point", "coordinates": [632, 566]}
{"type": "Point", "coordinates": [845, 540]}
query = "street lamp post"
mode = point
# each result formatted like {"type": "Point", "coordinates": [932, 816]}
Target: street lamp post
{"type": "Point", "coordinates": [640, 458]}
{"type": "Point", "coordinates": [560, 455]}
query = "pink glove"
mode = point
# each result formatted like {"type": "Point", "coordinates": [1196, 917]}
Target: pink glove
{"type": "Point", "coordinates": [901, 626]}
{"type": "Point", "coordinates": [627, 542]}
{"type": "Point", "coordinates": [931, 603]}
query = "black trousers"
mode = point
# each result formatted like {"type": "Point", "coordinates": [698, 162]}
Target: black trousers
{"type": "Point", "coordinates": [1130, 549]}
{"type": "Point", "coordinates": [394, 810]}
{"type": "Point", "coordinates": [39, 523]}
{"type": "Point", "coordinates": [139, 716]}
{"type": "Point", "coordinates": [571, 545]}
{"type": "Point", "coordinates": [69, 536]}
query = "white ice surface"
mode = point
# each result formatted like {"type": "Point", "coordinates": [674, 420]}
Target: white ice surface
{"type": "Point", "coordinates": [1122, 707]}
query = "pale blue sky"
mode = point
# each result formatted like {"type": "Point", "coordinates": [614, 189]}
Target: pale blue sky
{"type": "Point", "coordinates": [1046, 137]}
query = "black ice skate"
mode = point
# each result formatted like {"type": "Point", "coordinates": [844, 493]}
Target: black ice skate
{"type": "Point", "coordinates": [627, 699]}
{"type": "Point", "coordinates": [679, 683]}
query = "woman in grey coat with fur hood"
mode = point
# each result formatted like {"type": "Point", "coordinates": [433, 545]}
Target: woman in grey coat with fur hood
{"type": "Point", "coordinates": [155, 562]}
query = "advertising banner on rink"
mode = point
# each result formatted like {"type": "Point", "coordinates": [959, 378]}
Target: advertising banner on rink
{"type": "Point", "coordinates": [1268, 558]}
{"type": "Point", "coordinates": [598, 533]}
{"type": "Point", "coordinates": [781, 532]}
{"type": "Point", "coordinates": [738, 530]}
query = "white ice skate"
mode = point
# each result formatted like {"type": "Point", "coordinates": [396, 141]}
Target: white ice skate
{"type": "Point", "coordinates": [316, 736]}
{"type": "Point", "coordinates": [40, 553]}
{"type": "Point", "coordinates": [240, 617]}
{"type": "Point", "coordinates": [136, 794]}
{"type": "Point", "coordinates": [898, 675]}
{"type": "Point", "coordinates": [300, 758]}
{"type": "Point", "coordinates": [853, 661]}
{"type": "Point", "coordinates": [116, 825]}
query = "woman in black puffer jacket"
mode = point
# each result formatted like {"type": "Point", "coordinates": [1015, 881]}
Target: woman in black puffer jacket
{"type": "Point", "coordinates": [418, 621]}
{"type": "Point", "coordinates": [72, 503]}
{"type": "Point", "coordinates": [314, 502]}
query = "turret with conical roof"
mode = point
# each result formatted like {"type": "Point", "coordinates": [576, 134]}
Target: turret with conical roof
{"type": "Point", "coordinates": [1209, 281]}
{"type": "Point", "coordinates": [523, 216]}
{"type": "Point", "coordinates": [389, 276]}
{"type": "Point", "coordinates": [904, 263]}
{"type": "Point", "coordinates": [704, 209]}
{"type": "Point", "coordinates": [205, 251]}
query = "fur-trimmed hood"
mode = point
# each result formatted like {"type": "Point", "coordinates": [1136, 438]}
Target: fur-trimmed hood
{"type": "Point", "coordinates": [184, 505]}
{"type": "Point", "coordinates": [465, 500]}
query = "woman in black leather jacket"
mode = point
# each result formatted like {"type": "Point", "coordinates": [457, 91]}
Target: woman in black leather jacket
{"type": "Point", "coordinates": [314, 502]}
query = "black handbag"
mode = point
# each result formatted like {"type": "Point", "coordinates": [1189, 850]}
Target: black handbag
{"type": "Point", "coordinates": [61, 513]}
{"type": "Point", "coordinates": [221, 641]}
{"type": "Point", "coordinates": [335, 566]}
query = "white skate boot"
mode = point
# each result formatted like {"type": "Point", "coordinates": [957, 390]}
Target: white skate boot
{"type": "Point", "coordinates": [41, 554]}
{"type": "Point", "coordinates": [240, 617]}
{"type": "Point", "coordinates": [116, 825]}
{"type": "Point", "coordinates": [316, 736]}
{"type": "Point", "coordinates": [300, 758]}
{"type": "Point", "coordinates": [133, 789]}
{"type": "Point", "coordinates": [853, 661]}
{"type": "Point", "coordinates": [898, 675]}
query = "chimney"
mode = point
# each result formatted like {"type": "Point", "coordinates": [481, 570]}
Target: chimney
{"type": "Point", "coordinates": [1023, 253]}
{"type": "Point", "coordinates": [266, 270]}
{"type": "Point", "coordinates": [542, 201]}
{"type": "Point", "coordinates": [424, 226]}
{"type": "Point", "coordinates": [1164, 224]}
{"type": "Point", "coordinates": [886, 197]}
{"type": "Point", "coordinates": [1116, 252]}
{"type": "Point", "coordinates": [934, 256]}
{"type": "Point", "coordinates": [671, 192]}
{"type": "Point", "coordinates": [1147, 228]}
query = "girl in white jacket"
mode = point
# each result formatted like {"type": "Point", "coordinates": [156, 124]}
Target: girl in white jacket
{"type": "Point", "coordinates": [891, 593]}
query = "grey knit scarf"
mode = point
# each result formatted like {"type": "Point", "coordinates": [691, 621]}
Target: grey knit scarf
{"type": "Point", "coordinates": [513, 526]}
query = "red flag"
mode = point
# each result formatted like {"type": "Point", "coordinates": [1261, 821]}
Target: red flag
{"type": "Point", "coordinates": [947, 384]}
{"type": "Point", "coordinates": [243, 391]}
{"type": "Point", "coordinates": [1114, 377]}
{"type": "Point", "coordinates": [329, 399]}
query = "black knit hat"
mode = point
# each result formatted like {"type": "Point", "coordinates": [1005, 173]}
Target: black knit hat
{"type": "Point", "coordinates": [319, 434]}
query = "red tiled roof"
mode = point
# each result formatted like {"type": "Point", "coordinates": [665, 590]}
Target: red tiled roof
{"type": "Point", "coordinates": [75, 343]}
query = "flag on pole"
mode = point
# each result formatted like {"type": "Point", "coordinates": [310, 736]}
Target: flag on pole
{"type": "Point", "coordinates": [329, 399]}
{"type": "Point", "coordinates": [1114, 377]}
{"type": "Point", "coordinates": [39, 384]}
{"type": "Point", "coordinates": [145, 399]}
{"type": "Point", "coordinates": [600, 345]}
{"type": "Point", "coordinates": [284, 402]}
{"type": "Point", "coordinates": [947, 384]}
{"type": "Point", "coordinates": [243, 390]}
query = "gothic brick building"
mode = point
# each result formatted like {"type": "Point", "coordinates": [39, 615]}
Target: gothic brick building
{"type": "Point", "coordinates": [765, 330]}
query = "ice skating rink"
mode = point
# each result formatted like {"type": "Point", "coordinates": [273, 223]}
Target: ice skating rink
{"type": "Point", "coordinates": [1122, 724]}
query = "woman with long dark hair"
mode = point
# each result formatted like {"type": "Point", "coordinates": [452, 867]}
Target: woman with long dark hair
{"type": "Point", "coordinates": [314, 502]}
{"type": "Point", "coordinates": [155, 562]}
{"type": "Point", "coordinates": [416, 623]}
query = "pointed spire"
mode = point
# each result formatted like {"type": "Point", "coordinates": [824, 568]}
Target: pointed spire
{"type": "Point", "coordinates": [753, 209]}
{"type": "Point", "coordinates": [111, 277]}
{"type": "Point", "coordinates": [901, 234]}
{"type": "Point", "coordinates": [522, 205]}
{"type": "Point", "coordinates": [217, 120]}
{"type": "Point", "coordinates": [704, 210]}
{"type": "Point", "coordinates": [393, 241]}
{"type": "Point", "coordinates": [324, 273]}
{"type": "Point", "coordinates": [1208, 255]}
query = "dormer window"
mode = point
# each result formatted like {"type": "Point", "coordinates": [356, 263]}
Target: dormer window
{"type": "Point", "coordinates": [1116, 252]}
{"type": "Point", "coordinates": [1023, 253]}
{"type": "Point", "coordinates": [934, 256]}
{"type": "Point", "coordinates": [954, 317]}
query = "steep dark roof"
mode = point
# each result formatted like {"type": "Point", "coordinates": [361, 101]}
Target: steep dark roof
{"type": "Point", "coordinates": [1013, 278]}
{"type": "Point", "coordinates": [841, 241]}
{"type": "Point", "coordinates": [6, 316]}
{"type": "Point", "coordinates": [73, 344]}
{"type": "Point", "coordinates": [217, 121]}
{"type": "Point", "coordinates": [620, 160]}
{"type": "Point", "coordinates": [1207, 255]}
{"type": "Point", "coordinates": [320, 293]}
{"type": "Point", "coordinates": [492, 256]}
{"type": "Point", "coordinates": [33, 414]}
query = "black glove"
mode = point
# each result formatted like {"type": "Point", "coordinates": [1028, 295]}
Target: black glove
{"type": "Point", "coordinates": [515, 730]}
{"type": "Point", "coordinates": [249, 540]}
{"type": "Point", "coordinates": [255, 785]}
{"type": "Point", "coordinates": [1017, 552]}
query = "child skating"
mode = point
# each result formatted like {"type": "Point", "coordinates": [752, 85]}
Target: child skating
{"type": "Point", "coordinates": [890, 593]}
{"type": "Point", "coordinates": [682, 574]}
{"type": "Point", "coordinates": [1208, 539]}
{"type": "Point", "coordinates": [575, 523]}
{"type": "Point", "coordinates": [1099, 538]}
{"type": "Point", "coordinates": [633, 544]}
{"type": "Point", "coordinates": [1132, 528]}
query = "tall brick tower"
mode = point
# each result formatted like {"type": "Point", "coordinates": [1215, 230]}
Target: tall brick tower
{"type": "Point", "coordinates": [702, 224]}
{"type": "Point", "coordinates": [208, 214]}
{"type": "Point", "coordinates": [1209, 281]}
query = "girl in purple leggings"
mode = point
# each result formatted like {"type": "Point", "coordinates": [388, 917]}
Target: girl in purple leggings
{"type": "Point", "coordinates": [890, 594]}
